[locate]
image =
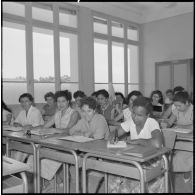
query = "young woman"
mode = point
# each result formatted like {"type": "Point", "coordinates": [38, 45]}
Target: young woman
{"type": "Point", "coordinates": [7, 114]}
{"type": "Point", "coordinates": [50, 108]}
{"type": "Point", "coordinates": [145, 131]}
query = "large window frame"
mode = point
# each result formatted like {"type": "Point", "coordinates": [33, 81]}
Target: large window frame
{"type": "Point", "coordinates": [121, 40]}
{"type": "Point", "coordinates": [54, 26]}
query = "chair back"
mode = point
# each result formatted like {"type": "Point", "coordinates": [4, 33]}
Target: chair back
{"type": "Point", "coordinates": [169, 138]}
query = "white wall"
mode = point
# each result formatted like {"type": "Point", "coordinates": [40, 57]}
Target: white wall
{"type": "Point", "coordinates": [166, 39]}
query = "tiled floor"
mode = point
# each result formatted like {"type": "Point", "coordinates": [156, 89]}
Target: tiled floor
{"type": "Point", "coordinates": [180, 186]}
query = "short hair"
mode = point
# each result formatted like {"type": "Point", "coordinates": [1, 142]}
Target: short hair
{"type": "Point", "coordinates": [159, 94]}
{"type": "Point", "coordinates": [181, 96]}
{"type": "Point", "coordinates": [79, 94]}
{"type": "Point", "coordinates": [49, 94]}
{"type": "Point", "coordinates": [135, 93]}
{"type": "Point", "coordinates": [94, 93]}
{"type": "Point", "coordinates": [26, 95]}
{"type": "Point", "coordinates": [169, 91]}
{"type": "Point", "coordinates": [103, 92]}
{"type": "Point", "coordinates": [89, 101]}
{"type": "Point", "coordinates": [177, 89]}
{"type": "Point", "coordinates": [143, 102]}
{"type": "Point", "coordinates": [122, 96]}
{"type": "Point", "coordinates": [67, 94]}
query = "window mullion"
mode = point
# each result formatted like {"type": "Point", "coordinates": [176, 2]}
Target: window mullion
{"type": "Point", "coordinates": [125, 61]}
{"type": "Point", "coordinates": [109, 53]}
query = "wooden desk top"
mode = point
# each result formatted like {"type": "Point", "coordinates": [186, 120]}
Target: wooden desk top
{"type": "Point", "coordinates": [11, 166]}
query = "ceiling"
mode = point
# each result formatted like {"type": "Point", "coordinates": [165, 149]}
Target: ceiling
{"type": "Point", "coordinates": [140, 12]}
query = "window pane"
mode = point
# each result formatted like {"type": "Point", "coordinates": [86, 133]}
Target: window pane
{"type": "Point", "coordinates": [119, 88]}
{"type": "Point", "coordinates": [117, 29]}
{"type": "Point", "coordinates": [42, 14]}
{"type": "Point", "coordinates": [70, 86]}
{"type": "Point", "coordinates": [68, 57]}
{"type": "Point", "coordinates": [14, 8]}
{"type": "Point", "coordinates": [133, 87]}
{"type": "Point", "coordinates": [12, 92]}
{"type": "Point", "coordinates": [67, 17]}
{"type": "Point", "coordinates": [101, 61]}
{"type": "Point", "coordinates": [43, 55]}
{"type": "Point", "coordinates": [40, 89]}
{"type": "Point", "coordinates": [132, 33]}
{"type": "Point", "coordinates": [133, 68]}
{"type": "Point", "coordinates": [100, 25]}
{"type": "Point", "coordinates": [117, 62]}
{"type": "Point", "coordinates": [14, 52]}
{"type": "Point", "coordinates": [101, 86]}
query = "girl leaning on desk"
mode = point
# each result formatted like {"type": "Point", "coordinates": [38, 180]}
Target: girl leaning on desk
{"type": "Point", "coordinates": [145, 131]}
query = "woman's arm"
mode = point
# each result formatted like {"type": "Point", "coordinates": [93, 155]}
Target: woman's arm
{"type": "Point", "coordinates": [112, 135]}
{"type": "Point", "coordinates": [49, 123]}
{"type": "Point", "coordinates": [167, 113]}
{"type": "Point", "coordinates": [73, 119]}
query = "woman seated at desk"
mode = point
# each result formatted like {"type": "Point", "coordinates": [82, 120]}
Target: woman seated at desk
{"type": "Point", "coordinates": [28, 118]}
{"type": "Point", "coordinates": [145, 131]}
{"type": "Point", "coordinates": [182, 117]}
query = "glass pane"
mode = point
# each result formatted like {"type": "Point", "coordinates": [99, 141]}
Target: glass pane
{"type": "Point", "coordinates": [117, 29]}
{"type": "Point", "coordinates": [101, 61]}
{"type": "Point", "coordinates": [72, 87]}
{"type": "Point", "coordinates": [117, 62]}
{"type": "Point", "coordinates": [67, 17]}
{"type": "Point", "coordinates": [133, 87]}
{"type": "Point", "coordinates": [14, 52]}
{"type": "Point", "coordinates": [119, 88]}
{"type": "Point", "coordinates": [14, 8]}
{"type": "Point", "coordinates": [132, 33]}
{"type": "Point", "coordinates": [42, 14]}
{"type": "Point", "coordinates": [43, 55]}
{"type": "Point", "coordinates": [133, 64]}
{"type": "Point", "coordinates": [68, 57]}
{"type": "Point", "coordinates": [100, 25]}
{"type": "Point", "coordinates": [101, 86]}
{"type": "Point", "coordinates": [12, 92]}
{"type": "Point", "coordinates": [40, 89]}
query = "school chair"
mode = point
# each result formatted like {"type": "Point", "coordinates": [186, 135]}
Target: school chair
{"type": "Point", "coordinates": [169, 142]}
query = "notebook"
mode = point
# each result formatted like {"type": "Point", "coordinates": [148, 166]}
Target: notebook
{"type": "Point", "coordinates": [48, 131]}
{"type": "Point", "coordinates": [119, 144]}
{"type": "Point", "coordinates": [11, 128]}
{"type": "Point", "coordinates": [178, 130]}
{"type": "Point", "coordinates": [140, 151]}
{"type": "Point", "coordinates": [77, 138]}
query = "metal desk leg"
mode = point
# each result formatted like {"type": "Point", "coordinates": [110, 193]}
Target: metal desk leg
{"type": "Point", "coordinates": [67, 178]}
{"type": "Point", "coordinates": [38, 170]}
{"type": "Point", "coordinates": [25, 181]}
{"type": "Point", "coordinates": [7, 147]}
{"type": "Point", "coordinates": [166, 173]}
{"type": "Point", "coordinates": [106, 182]}
{"type": "Point", "coordinates": [64, 178]}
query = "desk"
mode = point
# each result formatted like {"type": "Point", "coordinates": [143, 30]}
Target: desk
{"type": "Point", "coordinates": [11, 166]}
{"type": "Point", "coordinates": [110, 163]}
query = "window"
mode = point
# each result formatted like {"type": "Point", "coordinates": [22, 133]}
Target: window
{"type": "Point", "coordinates": [132, 33]}
{"type": "Point", "coordinates": [14, 62]}
{"type": "Point", "coordinates": [14, 8]}
{"type": "Point", "coordinates": [117, 29]}
{"type": "Point", "coordinates": [100, 25]}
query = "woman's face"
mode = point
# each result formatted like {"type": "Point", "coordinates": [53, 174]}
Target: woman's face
{"type": "Point", "coordinates": [78, 101]}
{"type": "Point", "coordinates": [87, 112]}
{"type": "Point", "coordinates": [131, 100]}
{"type": "Point", "coordinates": [62, 103]}
{"type": "Point", "coordinates": [102, 101]}
{"type": "Point", "coordinates": [155, 98]}
{"type": "Point", "coordinates": [139, 115]}
{"type": "Point", "coordinates": [181, 106]}
{"type": "Point", "coordinates": [25, 103]}
{"type": "Point", "coordinates": [50, 101]}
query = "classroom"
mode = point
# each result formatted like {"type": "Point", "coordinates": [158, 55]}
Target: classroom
{"type": "Point", "coordinates": [97, 97]}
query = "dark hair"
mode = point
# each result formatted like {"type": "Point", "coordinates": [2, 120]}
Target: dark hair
{"type": "Point", "coordinates": [89, 101]}
{"type": "Point", "coordinates": [27, 95]}
{"type": "Point", "coordinates": [103, 92]}
{"type": "Point", "coordinates": [177, 89]}
{"type": "Point", "coordinates": [79, 94]}
{"type": "Point", "coordinates": [169, 91]}
{"type": "Point", "coordinates": [4, 106]}
{"type": "Point", "coordinates": [143, 102]}
{"type": "Point", "coordinates": [122, 96]}
{"type": "Point", "coordinates": [94, 93]}
{"type": "Point", "coordinates": [49, 94]}
{"type": "Point", "coordinates": [135, 93]}
{"type": "Point", "coordinates": [67, 94]}
{"type": "Point", "coordinates": [181, 96]}
{"type": "Point", "coordinates": [159, 94]}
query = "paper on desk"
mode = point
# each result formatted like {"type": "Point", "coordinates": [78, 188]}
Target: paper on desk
{"type": "Point", "coordinates": [48, 131]}
{"type": "Point", "coordinates": [11, 128]}
{"type": "Point", "coordinates": [119, 144]}
{"type": "Point", "coordinates": [77, 138]}
{"type": "Point", "coordinates": [179, 130]}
